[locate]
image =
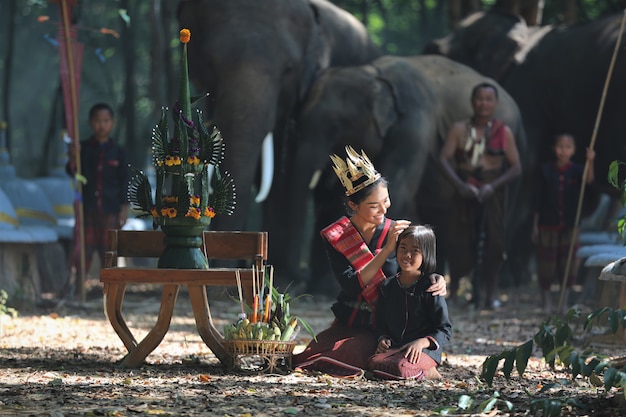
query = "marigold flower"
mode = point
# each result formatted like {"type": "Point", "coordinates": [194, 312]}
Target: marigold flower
{"type": "Point", "coordinates": [194, 200]}
{"type": "Point", "coordinates": [193, 212]}
{"type": "Point", "coordinates": [154, 212]}
{"type": "Point", "coordinates": [171, 212]}
{"type": "Point", "coordinates": [185, 35]}
{"type": "Point", "coordinates": [164, 211]}
{"type": "Point", "coordinates": [176, 160]}
{"type": "Point", "coordinates": [169, 161]}
{"type": "Point", "coordinates": [209, 212]}
{"type": "Point", "coordinates": [193, 160]}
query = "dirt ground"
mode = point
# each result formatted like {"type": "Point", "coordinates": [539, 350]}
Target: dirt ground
{"type": "Point", "coordinates": [63, 362]}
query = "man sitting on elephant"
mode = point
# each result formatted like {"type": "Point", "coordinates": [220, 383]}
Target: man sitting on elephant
{"type": "Point", "coordinates": [480, 158]}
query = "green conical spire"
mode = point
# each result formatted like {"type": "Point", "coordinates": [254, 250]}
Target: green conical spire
{"type": "Point", "coordinates": [184, 101]}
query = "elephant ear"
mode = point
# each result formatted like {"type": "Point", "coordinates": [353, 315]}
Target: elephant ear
{"type": "Point", "coordinates": [385, 108]}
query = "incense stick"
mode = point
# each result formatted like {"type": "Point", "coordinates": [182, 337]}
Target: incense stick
{"type": "Point", "coordinates": [238, 276]}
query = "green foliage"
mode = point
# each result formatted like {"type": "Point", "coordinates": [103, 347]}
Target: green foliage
{"type": "Point", "coordinates": [614, 180]}
{"type": "Point", "coordinates": [4, 310]}
{"type": "Point", "coordinates": [551, 407]}
{"type": "Point", "coordinates": [554, 339]}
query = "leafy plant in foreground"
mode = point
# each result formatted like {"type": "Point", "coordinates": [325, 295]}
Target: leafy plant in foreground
{"type": "Point", "coordinates": [4, 310]}
{"type": "Point", "coordinates": [468, 405]}
{"type": "Point", "coordinates": [613, 179]}
{"type": "Point", "coordinates": [554, 339]}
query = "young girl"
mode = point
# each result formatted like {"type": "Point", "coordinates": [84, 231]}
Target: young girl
{"type": "Point", "coordinates": [362, 254]}
{"type": "Point", "coordinates": [412, 325]}
{"type": "Point", "coordinates": [556, 200]}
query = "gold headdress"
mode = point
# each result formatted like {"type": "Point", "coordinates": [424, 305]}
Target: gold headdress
{"type": "Point", "coordinates": [356, 173]}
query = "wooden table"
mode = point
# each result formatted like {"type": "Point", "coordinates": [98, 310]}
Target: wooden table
{"type": "Point", "coordinates": [115, 283]}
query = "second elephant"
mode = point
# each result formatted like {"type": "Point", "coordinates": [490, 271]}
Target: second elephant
{"type": "Point", "coordinates": [397, 109]}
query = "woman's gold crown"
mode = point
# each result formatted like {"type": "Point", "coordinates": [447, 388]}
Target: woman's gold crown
{"type": "Point", "coordinates": [351, 171]}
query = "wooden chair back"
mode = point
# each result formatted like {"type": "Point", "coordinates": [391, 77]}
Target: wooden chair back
{"type": "Point", "coordinates": [217, 245]}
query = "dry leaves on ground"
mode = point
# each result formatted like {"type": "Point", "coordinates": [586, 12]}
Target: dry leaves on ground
{"type": "Point", "coordinates": [63, 363]}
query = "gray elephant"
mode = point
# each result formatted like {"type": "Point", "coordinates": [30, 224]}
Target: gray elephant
{"type": "Point", "coordinates": [257, 59]}
{"type": "Point", "coordinates": [398, 109]}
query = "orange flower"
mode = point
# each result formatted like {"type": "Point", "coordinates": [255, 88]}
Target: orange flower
{"type": "Point", "coordinates": [193, 212]}
{"type": "Point", "coordinates": [185, 35]}
{"type": "Point", "coordinates": [193, 160]}
{"type": "Point", "coordinates": [194, 200]}
{"type": "Point", "coordinates": [154, 212]}
{"type": "Point", "coordinates": [164, 211]}
{"type": "Point", "coordinates": [176, 160]}
{"type": "Point", "coordinates": [169, 161]}
{"type": "Point", "coordinates": [209, 212]}
{"type": "Point", "coordinates": [171, 212]}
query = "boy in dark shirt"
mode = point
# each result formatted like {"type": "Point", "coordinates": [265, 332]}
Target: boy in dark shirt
{"type": "Point", "coordinates": [104, 195]}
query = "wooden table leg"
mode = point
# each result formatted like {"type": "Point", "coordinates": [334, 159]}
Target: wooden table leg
{"type": "Point", "coordinates": [204, 322]}
{"type": "Point", "coordinates": [113, 297]}
{"type": "Point", "coordinates": [136, 356]}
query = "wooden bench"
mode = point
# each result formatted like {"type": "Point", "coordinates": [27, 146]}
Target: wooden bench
{"type": "Point", "coordinates": [247, 246]}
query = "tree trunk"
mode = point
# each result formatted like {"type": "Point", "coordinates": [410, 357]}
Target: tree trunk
{"type": "Point", "coordinates": [134, 146]}
{"type": "Point", "coordinates": [459, 9]}
{"type": "Point", "coordinates": [529, 10]}
{"type": "Point", "coordinates": [170, 26]}
{"type": "Point", "coordinates": [6, 87]}
{"type": "Point", "coordinates": [570, 11]}
{"type": "Point", "coordinates": [157, 32]}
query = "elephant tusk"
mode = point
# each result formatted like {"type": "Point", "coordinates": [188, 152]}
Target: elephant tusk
{"type": "Point", "coordinates": [315, 178]}
{"type": "Point", "coordinates": [267, 168]}
{"type": "Point", "coordinates": [209, 174]}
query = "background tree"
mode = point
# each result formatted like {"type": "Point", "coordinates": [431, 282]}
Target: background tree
{"type": "Point", "coordinates": [132, 63]}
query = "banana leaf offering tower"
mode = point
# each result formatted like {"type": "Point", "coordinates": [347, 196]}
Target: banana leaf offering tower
{"type": "Point", "coordinates": [190, 188]}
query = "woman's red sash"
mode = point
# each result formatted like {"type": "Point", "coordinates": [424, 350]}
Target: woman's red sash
{"type": "Point", "coordinates": [347, 240]}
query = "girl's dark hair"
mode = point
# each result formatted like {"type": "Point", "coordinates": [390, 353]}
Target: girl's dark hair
{"type": "Point", "coordinates": [98, 107]}
{"type": "Point", "coordinates": [481, 86]}
{"type": "Point", "coordinates": [424, 238]}
{"type": "Point", "coordinates": [360, 196]}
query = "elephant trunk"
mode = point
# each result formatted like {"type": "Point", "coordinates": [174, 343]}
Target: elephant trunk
{"type": "Point", "coordinates": [244, 113]}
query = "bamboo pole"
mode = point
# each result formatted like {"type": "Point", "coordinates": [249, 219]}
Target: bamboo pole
{"type": "Point", "coordinates": [594, 135]}
{"type": "Point", "coordinates": [65, 18]}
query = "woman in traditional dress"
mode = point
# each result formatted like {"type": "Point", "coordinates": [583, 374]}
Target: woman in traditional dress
{"type": "Point", "coordinates": [361, 250]}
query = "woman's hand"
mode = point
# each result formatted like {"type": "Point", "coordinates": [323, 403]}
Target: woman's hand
{"type": "Point", "coordinates": [414, 349]}
{"type": "Point", "coordinates": [392, 238]}
{"type": "Point", "coordinates": [438, 286]}
{"type": "Point", "coordinates": [383, 345]}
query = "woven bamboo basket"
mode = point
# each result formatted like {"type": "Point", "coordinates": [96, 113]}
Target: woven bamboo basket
{"type": "Point", "coordinates": [260, 355]}
{"type": "Point", "coordinates": [258, 347]}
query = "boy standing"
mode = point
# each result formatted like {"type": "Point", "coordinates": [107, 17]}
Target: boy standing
{"type": "Point", "coordinates": [104, 196]}
{"type": "Point", "coordinates": [556, 199]}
